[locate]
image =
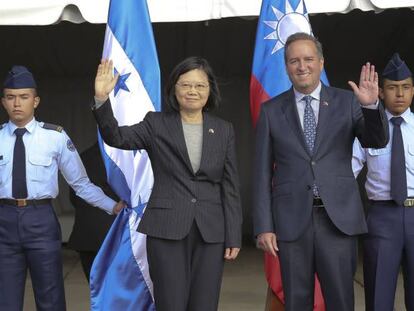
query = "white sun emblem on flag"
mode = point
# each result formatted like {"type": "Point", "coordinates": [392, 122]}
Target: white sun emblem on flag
{"type": "Point", "coordinates": [287, 23]}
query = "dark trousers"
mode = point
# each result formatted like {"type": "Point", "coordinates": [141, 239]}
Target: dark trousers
{"type": "Point", "coordinates": [323, 249]}
{"type": "Point", "coordinates": [388, 245]}
{"type": "Point", "coordinates": [186, 273]}
{"type": "Point", "coordinates": [30, 238]}
{"type": "Point", "coordinates": [87, 258]}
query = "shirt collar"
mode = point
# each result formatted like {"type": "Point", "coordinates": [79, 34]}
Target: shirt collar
{"type": "Point", "coordinates": [316, 94]}
{"type": "Point", "coordinates": [406, 115]}
{"type": "Point", "coordinates": [30, 127]}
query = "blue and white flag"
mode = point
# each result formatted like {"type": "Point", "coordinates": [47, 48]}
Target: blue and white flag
{"type": "Point", "coordinates": [119, 278]}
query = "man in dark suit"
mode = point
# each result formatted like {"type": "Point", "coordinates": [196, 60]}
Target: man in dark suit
{"type": "Point", "coordinates": [91, 224]}
{"type": "Point", "coordinates": [306, 201]}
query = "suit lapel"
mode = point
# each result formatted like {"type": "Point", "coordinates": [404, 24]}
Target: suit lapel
{"type": "Point", "coordinates": [209, 138]}
{"type": "Point", "coordinates": [291, 113]}
{"type": "Point", "coordinates": [177, 134]}
{"type": "Point", "coordinates": [325, 106]}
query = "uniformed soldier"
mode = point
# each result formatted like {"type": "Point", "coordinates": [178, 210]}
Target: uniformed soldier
{"type": "Point", "coordinates": [389, 243]}
{"type": "Point", "coordinates": [31, 153]}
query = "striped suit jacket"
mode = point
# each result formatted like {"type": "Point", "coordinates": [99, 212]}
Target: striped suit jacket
{"type": "Point", "coordinates": [210, 196]}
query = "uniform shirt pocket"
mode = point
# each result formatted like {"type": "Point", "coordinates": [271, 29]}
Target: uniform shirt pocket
{"type": "Point", "coordinates": [5, 168]}
{"type": "Point", "coordinates": [42, 167]}
{"type": "Point", "coordinates": [410, 157]}
{"type": "Point", "coordinates": [379, 158]}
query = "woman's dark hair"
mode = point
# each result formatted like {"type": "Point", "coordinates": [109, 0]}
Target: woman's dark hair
{"type": "Point", "coordinates": [185, 66]}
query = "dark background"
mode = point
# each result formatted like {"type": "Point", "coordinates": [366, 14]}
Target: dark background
{"type": "Point", "coordinates": [64, 57]}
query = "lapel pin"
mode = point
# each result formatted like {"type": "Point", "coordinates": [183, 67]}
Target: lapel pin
{"type": "Point", "coordinates": [325, 103]}
{"type": "Point", "coordinates": [211, 131]}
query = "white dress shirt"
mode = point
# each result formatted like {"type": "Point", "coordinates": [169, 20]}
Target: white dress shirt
{"type": "Point", "coordinates": [300, 103]}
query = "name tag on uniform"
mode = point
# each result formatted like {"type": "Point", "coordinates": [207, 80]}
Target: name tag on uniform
{"type": "Point", "coordinates": [378, 152]}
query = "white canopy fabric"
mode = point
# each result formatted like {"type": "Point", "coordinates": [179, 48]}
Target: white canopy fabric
{"type": "Point", "coordinates": [46, 12]}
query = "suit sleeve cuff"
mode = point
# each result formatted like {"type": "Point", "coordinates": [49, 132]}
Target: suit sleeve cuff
{"type": "Point", "coordinates": [96, 104]}
{"type": "Point", "coordinates": [372, 106]}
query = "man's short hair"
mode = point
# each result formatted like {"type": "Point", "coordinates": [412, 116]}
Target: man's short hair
{"type": "Point", "coordinates": [303, 36]}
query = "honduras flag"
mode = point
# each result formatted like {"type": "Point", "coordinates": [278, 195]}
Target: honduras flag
{"type": "Point", "coordinates": [119, 277]}
{"type": "Point", "coordinates": [277, 21]}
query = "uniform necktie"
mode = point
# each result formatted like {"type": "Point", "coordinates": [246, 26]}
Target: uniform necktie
{"type": "Point", "coordinates": [19, 187]}
{"type": "Point", "coordinates": [398, 173]}
{"type": "Point", "coordinates": [309, 130]}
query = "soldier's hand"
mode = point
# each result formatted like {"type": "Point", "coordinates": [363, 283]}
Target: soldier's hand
{"type": "Point", "coordinates": [105, 80]}
{"type": "Point", "coordinates": [118, 207]}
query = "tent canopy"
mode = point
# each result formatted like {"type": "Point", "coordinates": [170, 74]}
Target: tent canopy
{"type": "Point", "coordinates": [46, 12]}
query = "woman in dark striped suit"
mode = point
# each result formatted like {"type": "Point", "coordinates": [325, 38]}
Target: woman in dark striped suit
{"type": "Point", "coordinates": [193, 217]}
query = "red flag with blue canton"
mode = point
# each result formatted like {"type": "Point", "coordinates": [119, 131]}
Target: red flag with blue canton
{"type": "Point", "coordinates": [277, 21]}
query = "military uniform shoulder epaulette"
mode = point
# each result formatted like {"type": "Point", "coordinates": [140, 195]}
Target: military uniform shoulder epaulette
{"type": "Point", "coordinates": [49, 126]}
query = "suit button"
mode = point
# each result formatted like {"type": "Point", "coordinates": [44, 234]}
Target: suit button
{"type": "Point", "coordinates": [313, 162]}
{"type": "Point", "coordinates": [193, 200]}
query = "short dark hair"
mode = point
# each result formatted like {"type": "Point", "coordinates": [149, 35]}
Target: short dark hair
{"type": "Point", "coordinates": [188, 64]}
{"type": "Point", "coordinates": [303, 36]}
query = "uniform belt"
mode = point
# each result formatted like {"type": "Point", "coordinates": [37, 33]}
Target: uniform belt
{"type": "Point", "coordinates": [317, 201]}
{"type": "Point", "coordinates": [24, 202]}
{"type": "Point", "coordinates": [409, 202]}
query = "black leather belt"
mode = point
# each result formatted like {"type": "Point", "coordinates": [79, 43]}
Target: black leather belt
{"type": "Point", "coordinates": [317, 202]}
{"type": "Point", "coordinates": [409, 202]}
{"type": "Point", "coordinates": [24, 202]}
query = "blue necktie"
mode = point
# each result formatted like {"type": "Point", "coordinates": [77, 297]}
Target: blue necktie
{"type": "Point", "coordinates": [309, 123]}
{"type": "Point", "coordinates": [309, 130]}
{"type": "Point", "coordinates": [19, 187]}
{"type": "Point", "coordinates": [398, 173]}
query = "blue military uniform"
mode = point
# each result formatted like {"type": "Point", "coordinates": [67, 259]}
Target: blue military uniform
{"type": "Point", "coordinates": [30, 236]}
{"type": "Point", "coordinates": [389, 243]}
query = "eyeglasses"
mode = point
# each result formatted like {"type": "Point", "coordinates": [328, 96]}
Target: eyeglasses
{"type": "Point", "coordinates": [187, 86]}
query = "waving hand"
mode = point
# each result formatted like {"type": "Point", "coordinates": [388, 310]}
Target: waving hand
{"type": "Point", "coordinates": [105, 80]}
